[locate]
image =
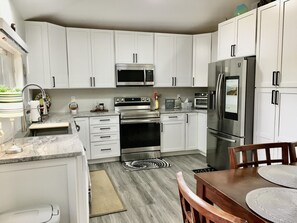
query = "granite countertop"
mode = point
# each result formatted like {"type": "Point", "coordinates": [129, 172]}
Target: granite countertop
{"type": "Point", "coordinates": [164, 111]}
{"type": "Point", "coordinates": [49, 147]}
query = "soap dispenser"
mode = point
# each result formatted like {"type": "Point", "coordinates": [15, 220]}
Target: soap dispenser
{"type": "Point", "coordinates": [177, 102]}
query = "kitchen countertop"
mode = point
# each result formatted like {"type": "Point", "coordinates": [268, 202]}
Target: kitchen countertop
{"type": "Point", "coordinates": [164, 111]}
{"type": "Point", "coordinates": [49, 147]}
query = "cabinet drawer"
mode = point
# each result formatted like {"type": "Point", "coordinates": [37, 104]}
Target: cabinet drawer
{"type": "Point", "coordinates": [96, 137]}
{"type": "Point", "coordinates": [104, 120]}
{"type": "Point", "coordinates": [104, 128]}
{"type": "Point", "coordinates": [104, 150]}
{"type": "Point", "coordinates": [173, 117]}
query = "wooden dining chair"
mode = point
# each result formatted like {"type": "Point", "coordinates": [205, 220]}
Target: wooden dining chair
{"type": "Point", "coordinates": [196, 210]}
{"type": "Point", "coordinates": [293, 146]}
{"type": "Point", "coordinates": [250, 157]}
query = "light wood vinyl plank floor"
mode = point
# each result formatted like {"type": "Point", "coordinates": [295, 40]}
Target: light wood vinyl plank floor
{"type": "Point", "coordinates": [150, 196]}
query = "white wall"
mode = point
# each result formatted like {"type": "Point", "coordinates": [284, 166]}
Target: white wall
{"type": "Point", "coordinates": [11, 15]}
{"type": "Point", "coordinates": [88, 98]}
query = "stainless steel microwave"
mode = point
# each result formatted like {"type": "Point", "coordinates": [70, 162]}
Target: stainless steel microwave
{"type": "Point", "coordinates": [135, 74]}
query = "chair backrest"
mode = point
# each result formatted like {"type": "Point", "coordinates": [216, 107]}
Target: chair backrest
{"type": "Point", "coordinates": [293, 158]}
{"type": "Point", "coordinates": [249, 155]}
{"type": "Point", "coordinates": [196, 210]}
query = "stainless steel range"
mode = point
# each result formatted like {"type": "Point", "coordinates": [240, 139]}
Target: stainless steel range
{"type": "Point", "coordinates": [139, 128]}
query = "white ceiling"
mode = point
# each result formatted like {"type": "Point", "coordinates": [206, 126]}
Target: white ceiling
{"type": "Point", "coordinates": [176, 16]}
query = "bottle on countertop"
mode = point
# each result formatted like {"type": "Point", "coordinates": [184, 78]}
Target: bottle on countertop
{"type": "Point", "coordinates": [177, 102]}
{"type": "Point", "coordinates": [156, 100]}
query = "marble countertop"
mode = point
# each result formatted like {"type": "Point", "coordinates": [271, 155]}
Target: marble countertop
{"type": "Point", "coordinates": [164, 111]}
{"type": "Point", "coordinates": [49, 147]}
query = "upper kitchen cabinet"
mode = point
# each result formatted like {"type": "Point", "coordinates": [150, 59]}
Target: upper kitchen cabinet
{"type": "Point", "coordinates": [237, 36]}
{"type": "Point", "coordinates": [173, 60]}
{"type": "Point", "coordinates": [47, 58]}
{"type": "Point", "coordinates": [90, 58]}
{"type": "Point", "coordinates": [134, 47]}
{"type": "Point", "coordinates": [201, 58]}
{"type": "Point", "coordinates": [277, 45]}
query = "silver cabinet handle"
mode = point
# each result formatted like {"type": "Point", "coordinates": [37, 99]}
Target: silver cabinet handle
{"type": "Point", "coordinates": [107, 149]}
{"type": "Point", "coordinates": [161, 127]}
{"type": "Point", "coordinates": [172, 81]}
{"type": "Point", "coordinates": [104, 128]}
{"type": "Point", "coordinates": [175, 81]}
{"type": "Point", "coordinates": [193, 81]}
{"type": "Point", "coordinates": [172, 116]}
{"type": "Point", "coordinates": [187, 118]}
{"type": "Point", "coordinates": [104, 137]}
{"type": "Point", "coordinates": [104, 120]}
{"type": "Point", "coordinates": [136, 57]}
{"type": "Point", "coordinates": [94, 82]}
{"type": "Point", "coordinates": [91, 81]}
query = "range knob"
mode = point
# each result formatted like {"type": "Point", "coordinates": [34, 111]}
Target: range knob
{"type": "Point", "coordinates": [122, 100]}
{"type": "Point", "coordinates": [147, 99]}
{"type": "Point", "coordinates": [142, 99]}
{"type": "Point", "coordinates": [118, 100]}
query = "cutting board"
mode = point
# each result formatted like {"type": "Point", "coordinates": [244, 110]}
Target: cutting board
{"type": "Point", "coordinates": [49, 125]}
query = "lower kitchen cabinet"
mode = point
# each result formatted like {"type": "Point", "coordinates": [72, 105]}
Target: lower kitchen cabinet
{"type": "Point", "coordinates": [100, 136]}
{"type": "Point", "coordinates": [172, 132]}
{"type": "Point", "coordinates": [275, 115]}
{"type": "Point", "coordinates": [183, 131]}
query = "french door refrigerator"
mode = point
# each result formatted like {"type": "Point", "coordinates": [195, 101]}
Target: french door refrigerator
{"type": "Point", "coordinates": [231, 86]}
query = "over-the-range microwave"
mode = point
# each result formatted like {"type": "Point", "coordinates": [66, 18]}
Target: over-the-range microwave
{"type": "Point", "coordinates": [135, 74]}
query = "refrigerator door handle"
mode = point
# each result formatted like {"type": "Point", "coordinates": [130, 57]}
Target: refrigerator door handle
{"type": "Point", "coordinates": [217, 94]}
{"type": "Point", "coordinates": [219, 109]}
{"type": "Point", "coordinates": [223, 138]}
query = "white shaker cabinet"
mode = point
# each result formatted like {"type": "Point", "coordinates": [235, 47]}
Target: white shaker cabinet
{"type": "Point", "coordinates": [201, 57]}
{"type": "Point", "coordinates": [275, 115]}
{"type": "Point", "coordinates": [90, 58]}
{"type": "Point", "coordinates": [237, 36]}
{"type": "Point", "coordinates": [191, 131]}
{"type": "Point", "coordinates": [173, 60]}
{"type": "Point", "coordinates": [134, 47]}
{"type": "Point", "coordinates": [47, 58]}
{"type": "Point", "coordinates": [276, 50]}
{"type": "Point", "coordinates": [84, 134]}
{"type": "Point", "coordinates": [172, 132]}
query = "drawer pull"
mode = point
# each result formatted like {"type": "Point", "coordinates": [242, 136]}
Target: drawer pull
{"type": "Point", "coordinates": [104, 120]}
{"type": "Point", "coordinates": [104, 137]}
{"type": "Point", "coordinates": [108, 149]}
{"type": "Point", "coordinates": [104, 128]}
{"type": "Point", "coordinates": [172, 117]}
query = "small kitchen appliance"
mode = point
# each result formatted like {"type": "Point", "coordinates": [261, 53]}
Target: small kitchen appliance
{"type": "Point", "coordinates": [200, 100]}
{"type": "Point", "coordinates": [35, 111]}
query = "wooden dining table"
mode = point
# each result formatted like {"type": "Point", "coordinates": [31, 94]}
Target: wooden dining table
{"type": "Point", "coordinates": [228, 189]}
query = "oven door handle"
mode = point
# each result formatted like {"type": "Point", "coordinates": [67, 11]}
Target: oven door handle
{"type": "Point", "coordinates": [140, 121]}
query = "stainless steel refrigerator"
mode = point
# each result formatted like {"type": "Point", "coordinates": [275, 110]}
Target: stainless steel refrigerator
{"type": "Point", "coordinates": [231, 86]}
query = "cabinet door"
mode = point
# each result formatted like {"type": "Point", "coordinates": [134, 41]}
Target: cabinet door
{"type": "Point", "coordinates": [201, 58]}
{"type": "Point", "coordinates": [173, 136]}
{"type": "Point", "coordinates": [184, 59]}
{"type": "Point", "coordinates": [84, 134]}
{"type": "Point", "coordinates": [125, 46]}
{"type": "Point", "coordinates": [58, 56]}
{"type": "Point", "coordinates": [79, 57]}
{"type": "Point", "coordinates": [192, 131]}
{"type": "Point", "coordinates": [267, 43]}
{"type": "Point", "coordinates": [164, 60]}
{"type": "Point", "coordinates": [103, 58]}
{"type": "Point", "coordinates": [246, 34]}
{"type": "Point", "coordinates": [226, 38]}
{"type": "Point", "coordinates": [288, 76]}
{"type": "Point", "coordinates": [286, 112]}
{"type": "Point", "coordinates": [38, 58]}
{"type": "Point", "coordinates": [145, 48]}
{"type": "Point", "coordinates": [202, 132]}
{"type": "Point", "coordinates": [264, 119]}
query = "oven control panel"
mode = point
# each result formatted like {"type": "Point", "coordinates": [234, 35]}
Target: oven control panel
{"type": "Point", "coordinates": [131, 100]}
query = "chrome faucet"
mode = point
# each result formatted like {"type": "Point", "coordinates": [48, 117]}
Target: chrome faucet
{"type": "Point", "coordinates": [45, 112]}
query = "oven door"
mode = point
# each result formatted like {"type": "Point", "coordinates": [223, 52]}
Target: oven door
{"type": "Point", "coordinates": [140, 139]}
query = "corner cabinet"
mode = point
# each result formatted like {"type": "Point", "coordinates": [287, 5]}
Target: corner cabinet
{"type": "Point", "coordinates": [276, 45]}
{"type": "Point", "coordinates": [201, 57]}
{"type": "Point", "coordinates": [173, 60]}
{"type": "Point", "coordinates": [237, 36]}
{"type": "Point", "coordinates": [134, 47]}
{"type": "Point", "coordinates": [47, 58]}
{"type": "Point", "coordinates": [90, 58]}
